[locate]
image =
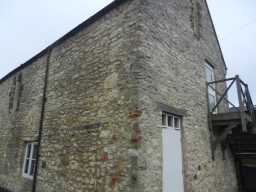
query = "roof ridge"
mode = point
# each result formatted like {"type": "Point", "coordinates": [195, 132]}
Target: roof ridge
{"type": "Point", "coordinates": [74, 31]}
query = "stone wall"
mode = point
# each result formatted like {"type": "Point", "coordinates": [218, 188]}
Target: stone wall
{"type": "Point", "coordinates": [106, 85]}
{"type": "Point", "coordinates": [21, 99]}
{"type": "Point", "coordinates": [90, 123]}
{"type": "Point", "coordinates": [173, 74]}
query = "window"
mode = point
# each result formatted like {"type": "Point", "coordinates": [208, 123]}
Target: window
{"type": "Point", "coordinates": [29, 160]}
{"type": "Point", "coordinates": [209, 75]}
{"type": "Point", "coordinates": [12, 94]}
{"type": "Point", "coordinates": [15, 93]}
{"type": "Point", "coordinates": [171, 121]}
{"type": "Point", "coordinates": [196, 18]}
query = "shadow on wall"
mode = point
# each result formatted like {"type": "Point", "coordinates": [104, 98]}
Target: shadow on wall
{"type": "Point", "coordinates": [4, 190]}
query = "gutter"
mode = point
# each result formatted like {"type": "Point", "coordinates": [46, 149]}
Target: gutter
{"type": "Point", "coordinates": [40, 130]}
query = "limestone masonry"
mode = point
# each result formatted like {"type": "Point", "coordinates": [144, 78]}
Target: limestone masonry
{"type": "Point", "coordinates": [92, 103]}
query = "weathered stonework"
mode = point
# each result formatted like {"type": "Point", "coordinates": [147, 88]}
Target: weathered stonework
{"type": "Point", "coordinates": [19, 126]}
{"type": "Point", "coordinates": [106, 86]}
{"type": "Point", "coordinates": [174, 75]}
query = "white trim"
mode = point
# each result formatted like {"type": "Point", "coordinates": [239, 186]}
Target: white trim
{"type": "Point", "coordinates": [172, 167]}
{"type": "Point", "coordinates": [211, 91]}
{"type": "Point", "coordinates": [173, 122]}
{"type": "Point", "coordinates": [29, 159]}
{"type": "Point", "coordinates": [24, 161]}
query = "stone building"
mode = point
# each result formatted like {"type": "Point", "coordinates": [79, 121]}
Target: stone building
{"type": "Point", "coordinates": [93, 111]}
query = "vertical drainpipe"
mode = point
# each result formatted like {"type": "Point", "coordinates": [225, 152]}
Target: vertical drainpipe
{"type": "Point", "coordinates": [40, 130]}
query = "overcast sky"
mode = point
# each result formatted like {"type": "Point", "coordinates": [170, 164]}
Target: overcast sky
{"type": "Point", "coordinates": [235, 23]}
{"type": "Point", "coordinates": [29, 26]}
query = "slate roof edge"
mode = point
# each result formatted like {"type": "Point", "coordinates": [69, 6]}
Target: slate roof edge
{"type": "Point", "coordinates": [74, 31]}
{"type": "Point", "coordinates": [216, 36]}
{"type": "Point", "coordinates": [82, 26]}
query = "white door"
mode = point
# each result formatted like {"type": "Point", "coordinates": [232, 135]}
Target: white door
{"type": "Point", "coordinates": [172, 160]}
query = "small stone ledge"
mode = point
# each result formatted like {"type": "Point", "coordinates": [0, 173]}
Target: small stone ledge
{"type": "Point", "coordinates": [30, 139]}
{"type": "Point", "coordinates": [171, 109]}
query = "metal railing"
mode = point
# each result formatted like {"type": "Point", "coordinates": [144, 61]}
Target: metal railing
{"type": "Point", "coordinates": [245, 105]}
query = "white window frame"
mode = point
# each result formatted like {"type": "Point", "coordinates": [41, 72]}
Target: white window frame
{"type": "Point", "coordinates": [30, 159]}
{"type": "Point", "coordinates": [210, 69]}
{"type": "Point", "coordinates": [211, 92]}
{"type": "Point", "coordinates": [173, 117]}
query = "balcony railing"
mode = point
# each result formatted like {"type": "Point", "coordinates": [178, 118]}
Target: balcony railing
{"type": "Point", "coordinates": [244, 103]}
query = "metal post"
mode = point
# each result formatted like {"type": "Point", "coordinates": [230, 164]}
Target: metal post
{"type": "Point", "coordinates": [42, 115]}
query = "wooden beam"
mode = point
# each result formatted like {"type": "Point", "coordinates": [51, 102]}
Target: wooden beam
{"type": "Point", "coordinates": [241, 104]}
{"type": "Point", "coordinates": [238, 174]}
{"type": "Point", "coordinates": [221, 81]}
{"type": "Point", "coordinates": [220, 94]}
{"type": "Point", "coordinates": [226, 116]}
{"type": "Point", "coordinates": [223, 95]}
